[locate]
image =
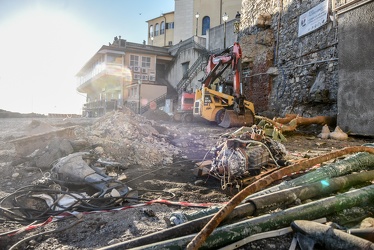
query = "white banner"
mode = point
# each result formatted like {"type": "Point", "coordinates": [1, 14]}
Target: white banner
{"type": "Point", "coordinates": [314, 18]}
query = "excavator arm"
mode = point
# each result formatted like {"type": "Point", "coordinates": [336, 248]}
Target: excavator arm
{"type": "Point", "coordinates": [238, 111]}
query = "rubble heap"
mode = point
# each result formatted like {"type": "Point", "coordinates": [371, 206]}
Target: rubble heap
{"type": "Point", "coordinates": [130, 139]}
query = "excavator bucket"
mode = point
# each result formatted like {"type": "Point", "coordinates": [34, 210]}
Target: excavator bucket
{"type": "Point", "coordinates": [232, 119]}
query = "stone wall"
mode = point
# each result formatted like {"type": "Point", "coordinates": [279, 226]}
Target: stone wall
{"type": "Point", "coordinates": [307, 78]}
{"type": "Point", "coordinates": [216, 36]}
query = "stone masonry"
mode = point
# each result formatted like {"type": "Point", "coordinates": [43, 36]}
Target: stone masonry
{"type": "Point", "coordinates": [306, 76]}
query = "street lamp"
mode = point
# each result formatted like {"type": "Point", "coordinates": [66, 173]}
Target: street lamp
{"type": "Point", "coordinates": [197, 21]}
{"type": "Point", "coordinates": [139, 98]}
{"type": "Point", "coordinates": [151, 40]}
{"type": "Point", "coordinates": [237, 25]}
{"type": "Point", "coordinates": [225, 17]}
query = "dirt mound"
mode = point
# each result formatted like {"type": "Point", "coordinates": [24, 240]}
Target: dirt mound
{"type": "Point", "coordinates": [130, 139]}
{"type": "Point", "coordinates": [38, 127]}
{"type": "Point", "coordinates": [156, 115]}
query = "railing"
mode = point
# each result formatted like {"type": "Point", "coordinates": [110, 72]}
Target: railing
{"type": "Point", "coordinates": [192, 71]}
{"type": "Point", "coordinates": [99, 108]}
{"type": "Point", "coordinates": [102, 69]}
{"type": "Point", "coordinates": [160, 101]}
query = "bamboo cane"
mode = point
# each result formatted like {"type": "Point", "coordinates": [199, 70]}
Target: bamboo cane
{"type": "Point", "coordinates": [255, 205]}
{"type": "Point", "coordinates": [356, 162]}
{"type": "Point", "coordinates": [200, 238]}
{"type": "Point", "coordinates": [231, 233]}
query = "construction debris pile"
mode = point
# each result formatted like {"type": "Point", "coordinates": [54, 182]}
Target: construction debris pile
{"type": "Point", "coordinates": [86, 200]}
{"type": "Point", "coordinates": [130, 139]}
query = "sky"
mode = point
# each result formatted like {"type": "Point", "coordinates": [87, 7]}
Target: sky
{"type": "Point", "coordinates": [44, 43]}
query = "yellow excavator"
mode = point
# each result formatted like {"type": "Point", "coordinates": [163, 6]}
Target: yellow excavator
{"type": "Point", "coordinates": [222, 101]}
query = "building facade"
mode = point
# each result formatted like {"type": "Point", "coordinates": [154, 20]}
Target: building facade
{"type": "Point", "coordinates": [123, 73]}
{"type": "Point", "coordinates": [195, 18]}
{"type": "Point", "coordinates": [190, 18]}
{"type": "Point", "coordinates": [290, 64]}
{"type": "Point", "coordinates": [161, 30]}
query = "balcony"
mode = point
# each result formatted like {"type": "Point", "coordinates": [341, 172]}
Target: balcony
{"type": "Point", "coordinates": [99, 108]}
{"type": "Point", "coordinates": [104, 72]}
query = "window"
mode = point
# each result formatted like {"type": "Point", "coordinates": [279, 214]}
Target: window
{"type": "Point", "coordinates": [113, 58]}
{"type": "Point", "coordinates": [170, 25]}
{"type": "Point", "coordinates": [206, 25]}
{"type": "Point", "coordinates": [157, 29]}
{"type": "Point", "coordinates": [170, 43]}
{"type": "Point", "coordinates": [185, 69]}
{"type": "Point", "coordinates": [146, 62]}
{"type": "Point", "coordinates": [151, 31]}
{"type": "Point", "coordinates": [134, 60]}
{"type": "Point", "coordinates": [162, 30]}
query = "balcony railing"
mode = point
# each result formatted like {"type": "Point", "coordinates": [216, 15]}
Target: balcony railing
{"type": "Point", "coordinates": [99, 108]}
{"type": "Point", "coordinates": [105, 69]}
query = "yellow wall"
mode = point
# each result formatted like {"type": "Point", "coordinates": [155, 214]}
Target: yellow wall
{"type": "Point", "coordinates": [161, 40]}
{"type": "Point", "coordinates": [215, 9]}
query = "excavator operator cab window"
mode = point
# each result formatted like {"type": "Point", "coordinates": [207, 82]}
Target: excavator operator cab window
{"type": "Point", "coordinates": [188, 100]}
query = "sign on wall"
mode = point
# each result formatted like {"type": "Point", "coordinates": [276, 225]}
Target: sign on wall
{"type": "Point", "coordinates": [313, 18]}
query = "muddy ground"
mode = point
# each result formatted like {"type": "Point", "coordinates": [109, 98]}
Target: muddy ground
{"type": "Point", "coordinates": [156, 157]}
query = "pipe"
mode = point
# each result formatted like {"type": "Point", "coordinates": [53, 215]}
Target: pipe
{"type": "Point", "coordinates": [263, 203]}
{"type": "Point", "coordinates": [329, 237]}
{"type": "Point", "coordinates": [353, 163]}
{"type": "Point", "coordinates": [280, 5]}
{"type": "Point", "coordinates": [353, 7]}
{"type": "Point", "coordinates": [328, 60]}
{"type": "Point", "coordinates": [351, 3]}
{"type": "Point", "coordinates": [231, 233]}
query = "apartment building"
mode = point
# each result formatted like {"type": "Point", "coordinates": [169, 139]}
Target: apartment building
{"type": "Point", "coordinates": [190, 18]}
{"type": "Point", "coordinates": [161, 30]}
{"type": "Point", "coordinates": [123, 73]}
{"type": "Point", "coordinates": [137, 75]}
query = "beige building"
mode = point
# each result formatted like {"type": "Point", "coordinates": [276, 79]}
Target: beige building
{"type": "Point", "coordinates": [123, 73]}
{"type": "Point", "coordinates": [194, 18]}
{"type": "Point", "coordinates": [140, 75]}
{"type": "Point", "coordinates": [161, 30]}
{"type": "Point", "coordinates": [190, 18]}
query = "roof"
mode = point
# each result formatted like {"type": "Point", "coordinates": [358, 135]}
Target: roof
{"type": "Point", "coordinates": [163, 14]}
{"type": "Point", "coordinates": [122, 49]}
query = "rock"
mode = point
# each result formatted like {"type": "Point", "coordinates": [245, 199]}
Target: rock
{"type": "Point", "coordinates": [367, 223]}
{"type": "Point", "coordinates": [38, 127]}
{"type": "Point", "coordinates": [99, 150]}
{"type": "Point", "coordinates": [15, 175]}
{"type": "Point", "coordinates": [79, 144]}
{"type": "Point", "coordinates": [325, 132]}
{"type": "Point", "coordinates": [338, 134]}
{"type": "Point", "coordinates": [199, 182]}
{"type": "Point", "coordinates": [114, 241]}
{"type": "Point", "coordinates": [56, 149]}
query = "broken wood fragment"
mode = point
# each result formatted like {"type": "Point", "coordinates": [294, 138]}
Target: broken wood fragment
{"type": "Point", "coordinates": [202, 168]}
{"type": "Point", "coordinates": [290, 123]}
